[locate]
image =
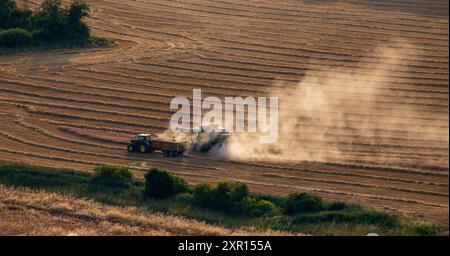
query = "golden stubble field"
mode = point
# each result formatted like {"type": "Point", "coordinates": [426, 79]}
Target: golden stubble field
{"type": "Point", "coordinates": [363, 89]}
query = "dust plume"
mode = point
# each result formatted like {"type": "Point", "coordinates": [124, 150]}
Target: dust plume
{"type": "Point", "coordinates": [328, 111]}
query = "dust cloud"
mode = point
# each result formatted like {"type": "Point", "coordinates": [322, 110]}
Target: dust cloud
{"type": "Point", "coordinates": [328, 111]}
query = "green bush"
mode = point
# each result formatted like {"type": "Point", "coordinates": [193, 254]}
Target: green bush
{"type": "Point", "coordinates": [302, 203]}
{"type": "Point", "coordinates": [350, 217]}
{"type": "Point", "coordinates": [57, 23]}
{"type": "Point", "coordinates": [77, 11]}
{"type": "Point", "coordinates": [278, 201]}
{"type": "Point", "coordinates": [6, 7]}
{"type": "Point", "coordinates": [237, 191]}
{"type": "Point", "coordinates": [51, 20]}
{"type": "Point", "coordinates": [336, 206]}
{"type": "Point", "coordinates": [13, 17]}
{"type": "Point", "coordinates": [184, 199]}
{"type": "Point", "coordinates": [161, 184]}
{"type": "Point", "coordinates": [427, 230]}
{"type": "Point", "coordinates": [15, 37]}
{"type": "Point", "coordinates": [112, 176]}
{"type": "Point", "coordinates": [203, 195]}
{"type": "Point", "coordinates": [224, 196]}
{"type": "Point", "coordinates": [51, 23]}
{"type": "Point", "coordinates": [261, 208]}
{"type": "Point", "coordinates": [39, 36]}
{"type": "Point", "coordinates": [23, 175]}
{"type": "Point", "coordinates": [232, 198]}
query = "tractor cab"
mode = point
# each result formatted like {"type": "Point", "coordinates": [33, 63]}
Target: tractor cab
{"type": "Point", "coordinates": [143, 137]}
{"type": "Point", "coordinates": [141, 143]}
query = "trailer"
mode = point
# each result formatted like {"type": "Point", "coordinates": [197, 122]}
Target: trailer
{"type": "Point", "coordinates": [144, 143]}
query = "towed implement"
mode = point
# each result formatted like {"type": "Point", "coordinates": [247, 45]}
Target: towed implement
{"type": "Point", "coordinates": [207, 137]}
{"type": "Point", "coordinates": [144, 143]}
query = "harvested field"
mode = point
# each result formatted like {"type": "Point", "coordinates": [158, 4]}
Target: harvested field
{"type": "Point", "coordinates": [373, 75]}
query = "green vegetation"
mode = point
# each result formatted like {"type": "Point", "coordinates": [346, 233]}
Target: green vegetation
{"type": "Point", "coordinates": [231, 198]}
{"type": "Point", "coordinates": [161, 184]}
{"type": "Point", "coordinates": [297, 203]}
{"type": "Point", "coordinates": [15, 37]}
{"type": "Point", "coordinates": [111, 176]}
{"type": "Point", "coordinates": [225, 203]}
{"type": "Point", "coordinates": [49, 27]}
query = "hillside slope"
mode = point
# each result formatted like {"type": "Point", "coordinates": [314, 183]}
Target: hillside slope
{"type": "Point", "coordinates": [26, 212]}
{"type": "Point", "coordinates": [364, 85]}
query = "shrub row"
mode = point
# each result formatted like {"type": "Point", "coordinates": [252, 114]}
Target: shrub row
{"type": "Point", "coordinates": [296, 212]}
{"type": "Point", "coordinates": [229, 197]}
{"type": "Point", "coordinates": [52, 22]}
{"type": "Point", "coordinates": [353, 217]}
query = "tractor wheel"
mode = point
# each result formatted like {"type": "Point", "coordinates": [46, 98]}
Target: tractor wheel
{"type": "Point", "coordinates": [131, 148]}
{"type": "Point", "coordinates": [143, 148]}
